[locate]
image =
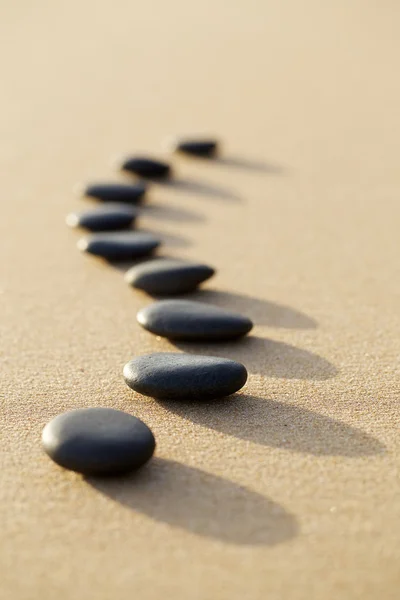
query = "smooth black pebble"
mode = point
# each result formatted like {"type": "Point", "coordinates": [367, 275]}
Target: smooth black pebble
{"type": "Point", "coordinates": [119, 245]}
{"type": "Point", "coordinates": [206, 148]}
{"type": "Point", "coordinates": [116, 192]}
{"type": "Point", "coordinates": [98, 441]}
{"type": "Point", "coordinates": [147, 167]}
{"type": "Point", "coordinates": [168, 276]}
{"type": "Point", "coordinates": [105, 218]}
{"type": "Point", "coordinates": [184, 376]}
{"type": "Point", "coordinates": [192, 321]}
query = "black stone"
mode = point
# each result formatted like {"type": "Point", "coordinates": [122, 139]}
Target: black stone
{"type": "Point", "coordinates": [105, 218]}
{"type": "Point", "coordinates": [119, 245]}
{"type": "Point", "coordinates": [205, 148]}
{"type": "Point", "coordinates": [116, 192]}
{"type": "Point", "coordinates": [184, 376]}
{"type": "Point", "coordinates": [146, 167]}
{"type": "Point", "coordinates": [192, 321]}
{"type": "Point", "coordinates": [168, 276]}
{"type": "Point", "coordinates": [98, 441]}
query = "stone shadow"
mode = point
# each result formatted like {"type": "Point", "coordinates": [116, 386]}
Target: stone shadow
{"type": "Point", "coordinates": [204, 504]}
{"type": "Point", "coordinates": [278, 424]}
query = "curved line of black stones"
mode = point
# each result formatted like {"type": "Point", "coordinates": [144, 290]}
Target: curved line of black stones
{"type": "Point", "coordinates": [193, 151]}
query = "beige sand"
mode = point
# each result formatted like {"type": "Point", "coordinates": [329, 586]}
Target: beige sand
{"type": "Point", "coordinates": [289, 490]}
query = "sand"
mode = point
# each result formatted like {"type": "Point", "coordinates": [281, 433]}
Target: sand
{"type": "Point", "coordinates": [290, 489]}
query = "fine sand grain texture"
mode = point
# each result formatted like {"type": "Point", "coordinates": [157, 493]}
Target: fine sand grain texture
{"type": "Point", "coordinates": [290, 489]}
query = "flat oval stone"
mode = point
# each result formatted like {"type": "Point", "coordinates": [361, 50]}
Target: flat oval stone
{"type": "Point", "coordinates": [98, 441]}
{"type": "Point", "coordinates": [168, 276]}
{"type": "Point", "coordinates": [119, 245]}
{"type": "Point", "coordinates": [116, 192]}
{"type": "Point", "coordinates": [146, 167]}
{"type": "Point", "coordinates": [169, 375]}
{"type": "Point", "coordinates": [105, 218]}
{"type": "Point", "coordinates": [192, 321]}
{"type": "Point", "coordinates": [197, 147]}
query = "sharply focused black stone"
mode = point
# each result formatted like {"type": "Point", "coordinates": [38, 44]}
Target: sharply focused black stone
{"type": "Point", "coordinates": [146, 167]}
{"type": "Point", "coordinates": [116, 192]}
{"type": "Point", "coordinates": [197, 147]}
{"type": "Point", "coordinates": [188, 320]}
{"type": "Point", "coordinates": [119, 245]}
{"type": "Point", "coordinates": [98, 441]}
{"type": "Point", "coordinates": [105, 218]}
{"type": "Point", "coordinates": [168, 276]}
{"type": "Point", "coordinates": [184, 376]}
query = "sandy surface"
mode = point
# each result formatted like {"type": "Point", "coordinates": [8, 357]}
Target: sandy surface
{"type": "Point", "coordinates": [290, 489]}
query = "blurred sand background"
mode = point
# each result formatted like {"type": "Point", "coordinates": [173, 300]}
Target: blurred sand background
{"type": "Point", "coordinates": [289, 490]}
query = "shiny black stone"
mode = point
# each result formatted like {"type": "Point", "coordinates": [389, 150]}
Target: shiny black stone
{"type": "Point", "coordinates": [205, 148]}
{"type": "Point", "coordinates": [184, 376]}
{"type": "Point", "coordinates": [116, 192]}
{"type": "Point", "coordinates": [192, 321]}
{"type": "Point", "coordinates": [105, 218]}
{"type": "Point", "coordinates": [146, 167]}
{"type": "Point", "coordinates": [98, 441]}
{"type": "Point", "coordinates": [119, 245]}
{"type": "Point", "coordinates": [168, 276]}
